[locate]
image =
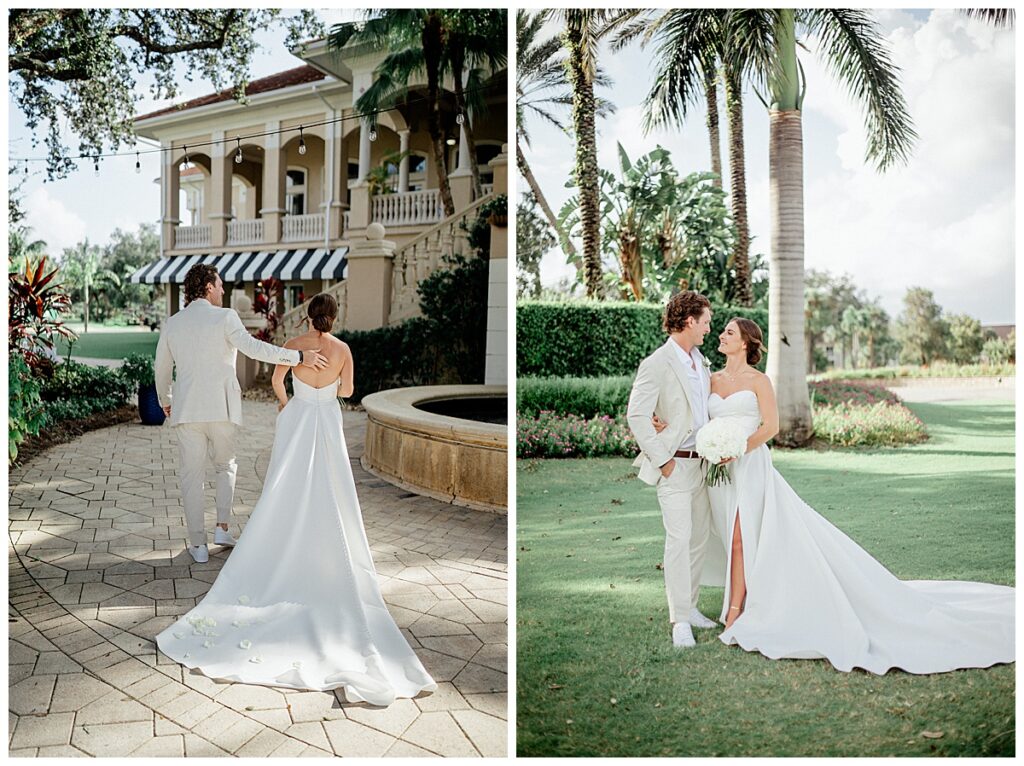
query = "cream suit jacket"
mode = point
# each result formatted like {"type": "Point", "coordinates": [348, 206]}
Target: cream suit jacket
{"type": "Point", "coordinates": [663, 388]}
{"type": "Point", "coordinates": [202, 341]}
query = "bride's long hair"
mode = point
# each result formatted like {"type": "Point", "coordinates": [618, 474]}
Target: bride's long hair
{"type": "Point", "coordinates": [751, 334]}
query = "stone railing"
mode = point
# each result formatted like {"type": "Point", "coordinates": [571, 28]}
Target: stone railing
{"type": "Point", "coordinates": [344, 221]}
{"type": "Point", "coordinates": [407, 208]}
{"type": "Point", "coordinates": [422, 256]}
{"type": "Point", "coordinates": [192, 236]}
{"type": "Point", "coordinates": [488, 189]}
{"type": "Point", "coordinates": [245, 232]}
{"type": "Point", "coordinates": [302, 228]}
{"type": "Point", "coordinates": [292, 321]}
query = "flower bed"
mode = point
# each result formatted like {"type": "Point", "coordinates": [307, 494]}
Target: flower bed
{"type": "Point", "coordinates": [550, 435]}
{"type": "Point", "coordinates": [859, 414]}
{"type": "Point", "coordinates": [939, 370]}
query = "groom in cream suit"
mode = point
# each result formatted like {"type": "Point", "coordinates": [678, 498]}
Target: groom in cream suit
{"type": "Point", "coordinates": [204, 403]}
{"type": "Point", "coordinates": [674, 384]}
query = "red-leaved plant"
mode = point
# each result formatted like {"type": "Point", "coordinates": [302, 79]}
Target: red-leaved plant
{"type": "Point", "coordinates": [35, 304]}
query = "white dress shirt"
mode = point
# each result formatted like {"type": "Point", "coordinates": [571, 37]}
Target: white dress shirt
{"type": "Point", "coordinates": [700, 411]}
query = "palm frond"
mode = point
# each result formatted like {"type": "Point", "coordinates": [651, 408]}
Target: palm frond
{"type": "Point", "coordinates": [997, 17]}
{"type": "Point", "coordinates": [857, 55]}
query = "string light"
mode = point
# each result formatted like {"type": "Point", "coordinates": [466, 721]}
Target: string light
{"type": "Point", "coordinates": [238, 152]}
{"type": "Point", "coordinates": [302, 142]}
{"type": "Point", "coordinates": [460, 118]}
{"type": "Point", "coordinates": [184, 160]}
{"type": "Point", "coordinates": [138, 165]}
{"type": "Point", "coordinates": [353, 116]}
{"type": "Point", "coordinates": [96, 165]}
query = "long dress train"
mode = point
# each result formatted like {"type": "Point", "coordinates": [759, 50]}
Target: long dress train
{"type": "Point", "coordinates": [297, 603]}
{"type": "Point", "coordinates": [812, 592]}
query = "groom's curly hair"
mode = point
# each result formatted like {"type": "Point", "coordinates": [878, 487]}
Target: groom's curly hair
{"type": "Point", "coordinates": [198, 277]}
{"type": "Point", "coordinates": [682, 306]}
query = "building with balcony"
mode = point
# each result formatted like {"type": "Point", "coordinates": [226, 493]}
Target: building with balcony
{"type": "Point", "coordinates": [292, 184]}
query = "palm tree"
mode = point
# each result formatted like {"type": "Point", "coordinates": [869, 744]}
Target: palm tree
{"type": "Point", "coordinates": [692, 44]}
{"type": "Point", "coordinates": [537, 73]}
{"type": "Point", "coordinates": [541, 89]}
{"type": "Point", "coordinates": [998, 17]}
{"type": "Point", "coordinates": [470, 46]}
{"type": "Point", "coordinates": [581, 34]}
{"type": "Point", "coordinates": [857, 55]}
{"type": "Point", "coordinates": [416, 41]}
{"type": "Point", "coordinates": [81, 267]}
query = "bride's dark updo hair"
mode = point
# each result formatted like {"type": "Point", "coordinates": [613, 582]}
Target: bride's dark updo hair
{"type": "Point", "coordinates": [322, 311]}
{"type": "Point", "coordinates": [751, 334]}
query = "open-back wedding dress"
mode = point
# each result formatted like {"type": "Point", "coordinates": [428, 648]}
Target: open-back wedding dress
{"type": "Point", "coordinates": [297, 603]}
{"type": "Point", "coordinates": [812, 592]}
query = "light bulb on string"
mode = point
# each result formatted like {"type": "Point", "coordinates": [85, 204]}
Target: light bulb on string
{"type": "Point", "coordinates": [96, 165]}
{"type": "Point", "coordinates": [238, 152]}
{"type": "Point", "coordinates": [138, 165]}
{"type": "Point", "coordinates": [373, 133]}
{"type": "Point", "coordinates": [26, 168]}
{"type": "Point", "coordinates": [460, 118]}
{"type": "Point", "coordinates": [302, 142]}
{"type": "Point", "coordinates": [184, 160]}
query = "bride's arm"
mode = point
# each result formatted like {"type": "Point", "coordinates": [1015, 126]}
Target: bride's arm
{"type": "Point", "coordinates": [277, 381]}
{"type": "Point", "coordinates": [769, 413]}
{"type": "Point", "coordinates": [347, 375]}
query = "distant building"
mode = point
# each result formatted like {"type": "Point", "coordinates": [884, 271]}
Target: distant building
{"type": "Point", "coordinates": [1001, 331]}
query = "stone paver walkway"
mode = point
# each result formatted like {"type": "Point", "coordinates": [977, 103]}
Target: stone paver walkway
{"type": "Point", "coordinates": [97, 568]}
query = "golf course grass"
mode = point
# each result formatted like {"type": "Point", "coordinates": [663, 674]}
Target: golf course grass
{"type": "Point", "coordinates": [111, 345]}
{"type": "Point", "coordinates": [597, 674]}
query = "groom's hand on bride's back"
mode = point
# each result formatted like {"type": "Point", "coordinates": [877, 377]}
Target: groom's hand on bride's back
{"type": "Point", "coordinates": [313, 359]}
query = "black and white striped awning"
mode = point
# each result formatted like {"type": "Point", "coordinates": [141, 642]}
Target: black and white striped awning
{"type": "Point", "coordinates": [250, 266]}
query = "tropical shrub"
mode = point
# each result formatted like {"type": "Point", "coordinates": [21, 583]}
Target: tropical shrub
{"type": "Point", "coordinates": [454, 305]}
{"type": "Point", "coordinates": [390, 357]}
{"type": "Point", "coordinates": [138, 370]}
{"type": "Point", "coordinates": [25, 408]}
{"type": "Point", "coordinates": [75, 391]}
{"type": "Point", "coordinates": [590, 339]}
{"type": "Point", "coordinates": [35, 305]}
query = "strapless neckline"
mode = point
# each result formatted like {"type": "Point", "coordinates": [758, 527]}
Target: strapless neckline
{"type": "Point", "coordinates": [315, 388]}
{"type": "Point", "coordinates": [734, 393]}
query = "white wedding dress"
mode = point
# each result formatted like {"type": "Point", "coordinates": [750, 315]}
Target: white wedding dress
{"type": "Point", "coordinates": [812, 592]}
{"type": "Point", "coordinates": [297, 603]}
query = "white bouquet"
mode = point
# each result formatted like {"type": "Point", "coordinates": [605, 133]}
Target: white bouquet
{"type": "Point", "coordinates": [719, 440]}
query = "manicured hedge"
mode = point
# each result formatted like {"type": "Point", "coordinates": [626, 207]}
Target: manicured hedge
{"type": "Point", "coordinates": [389, 357]}
{"type": "Point", "coordinates": [585, 397]}
{"type": "Point", "coordinates": [592, 339]}
{"type": "Point", "coordinates": [75, 391]}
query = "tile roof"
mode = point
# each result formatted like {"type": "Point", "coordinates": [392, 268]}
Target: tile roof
{"type": "Point", "coordinates": [296, 76]}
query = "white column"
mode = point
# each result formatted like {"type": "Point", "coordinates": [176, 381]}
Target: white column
{"type": "Point", "coordinates": [364, 150]}
{"type": "Point", "coordinates": [403, 165]}
{"type": "Point", "coordinates": [463, 149]}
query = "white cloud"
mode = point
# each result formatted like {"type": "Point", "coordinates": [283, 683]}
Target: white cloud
{"type": "Point", "coordinates": [52, 221]}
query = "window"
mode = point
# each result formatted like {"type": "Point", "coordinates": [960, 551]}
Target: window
{"type": "Point", "coordinates": [295, 192]}
{"type": "Point", "coordinates": [294, 296]}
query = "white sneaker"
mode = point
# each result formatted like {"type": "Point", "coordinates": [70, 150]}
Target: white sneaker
{"type": "Point", "coordinates": [221, 537]}
{"type": "Point", "coordinates": [698, 620]}
{"type": "Point", "coordinates": [682, 636]}
{"type": "Point", "coordinates": [199, 553]}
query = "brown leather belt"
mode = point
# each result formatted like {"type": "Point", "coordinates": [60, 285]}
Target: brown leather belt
{"type": "Point", "coordinates": [687, 454]}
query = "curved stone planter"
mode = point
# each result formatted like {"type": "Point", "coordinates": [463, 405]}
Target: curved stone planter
{"type": "Point", "coordinates": [460, 461]}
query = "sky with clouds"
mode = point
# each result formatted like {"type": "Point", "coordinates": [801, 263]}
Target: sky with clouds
{"type": "Point", "coordinates": [87, 206]}
{"type": "Point", "coordinates": [943, 221]}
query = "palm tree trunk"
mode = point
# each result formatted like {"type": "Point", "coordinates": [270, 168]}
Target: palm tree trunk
{"type": "Point", "coordinates": [567, 246]}
{"type": "Point", "coordinates": [711, 96]}
{"type": "Point", "coordinates": [742, 291]}
{"type": "Point", "coordinates": [86, 316]}
{"type": "Point", "coordinates": [432, 46]}
{"type": "Point", "coordinates": [583, 109]}
{"type": "Point", "coordinates": [786, 279]}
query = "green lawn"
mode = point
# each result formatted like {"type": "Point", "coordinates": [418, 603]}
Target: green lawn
{"type": "Point", "coordinates": [596, 672]}
{"type": "Point", "coordinates": [111, 345]}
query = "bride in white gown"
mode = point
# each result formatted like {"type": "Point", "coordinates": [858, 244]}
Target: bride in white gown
{"type": "Point", "coordinates": [297, 603]}
{"type": "Point", "coordinates": [797, 587]}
